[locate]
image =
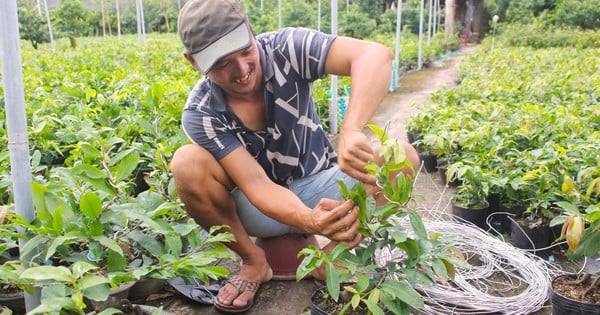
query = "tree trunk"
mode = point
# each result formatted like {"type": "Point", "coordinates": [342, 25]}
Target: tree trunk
{"type": "Point", "coordinates": [118, 18]}
{"type": "Point", "coordinates": [103, 18]}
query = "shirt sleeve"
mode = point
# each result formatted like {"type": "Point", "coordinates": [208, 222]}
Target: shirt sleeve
{"type": "Point", "coordinates": [304, 50]}
{"type": "Point", "coordinates": [206, 127]}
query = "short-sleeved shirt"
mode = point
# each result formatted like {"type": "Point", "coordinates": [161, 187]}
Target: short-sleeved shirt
{"type": "Point", "coordinates": [294, 144]}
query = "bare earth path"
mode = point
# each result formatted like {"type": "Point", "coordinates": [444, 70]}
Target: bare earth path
{"type": "Point", "coordinates": [414, 91]}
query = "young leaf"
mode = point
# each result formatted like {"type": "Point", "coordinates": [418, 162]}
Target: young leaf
{"type": "Point", "coordinates": [90, 205]}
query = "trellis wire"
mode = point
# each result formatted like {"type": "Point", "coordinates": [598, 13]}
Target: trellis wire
{"type": "Point", "coordinates": [504, 279]}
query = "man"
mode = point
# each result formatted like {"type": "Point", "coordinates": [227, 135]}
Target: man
{"type": "Point", "coordinates": [260, 161]}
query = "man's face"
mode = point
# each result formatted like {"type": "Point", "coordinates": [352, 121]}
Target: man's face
{"type": "Point", "coordinates": [238, 74]}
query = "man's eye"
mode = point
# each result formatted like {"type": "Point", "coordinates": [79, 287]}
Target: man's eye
{"type": "Point", "coordinates": [221, 65]}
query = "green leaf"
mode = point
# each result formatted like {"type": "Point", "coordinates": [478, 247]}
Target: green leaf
{"type": "Point", "coordinates": [333, 282]}
{"type": "Point", "coordinates": [110, 311]}
{"type": "Point", "coordinates": [405, 293]}
{"type": "Point", "coordinates": [58, 273]}
{"type": "Point", "coordinates": [89, 281]}
{"type": "Point", "coordinates": [355, 301]}
{"type": "Point", "coordinates": [115, 261]}
{"type": "Point", "coordinates": [32, 244]}
{"type": "Point", "coordinates": [59, 241]}
{"type": "Point", "coordinates": [90, 205]}
{"type": "Point", "coordinates": [98, 292]}
{"type": "Point", "coordinates": [111, 244]}
{"type": "Point", "coordinates": [80, 268]}
{"type": "Point", "coordinates": [126, 166]}
{"type": "Point", "coordinates": [373, 308]}
{"type": "Point", "coordinates": [417, 224]}
{"type": "Point", "coordinates": [38, 194]}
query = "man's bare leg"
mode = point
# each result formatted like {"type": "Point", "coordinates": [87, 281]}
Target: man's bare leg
{"type": "Point", "coordinates": [204, 188]}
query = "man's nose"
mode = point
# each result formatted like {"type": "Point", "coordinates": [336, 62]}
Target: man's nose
{"type": "Point", "coordinates": [240, 66]}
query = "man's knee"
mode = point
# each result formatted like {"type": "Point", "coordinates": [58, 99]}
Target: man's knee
{"type": "Point", "coordinates": [188, 157]}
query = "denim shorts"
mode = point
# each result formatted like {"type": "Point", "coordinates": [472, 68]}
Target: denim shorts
{"type": "Point", "coordinates": [310, 190]}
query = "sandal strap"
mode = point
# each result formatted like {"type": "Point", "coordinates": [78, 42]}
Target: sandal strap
{"type": "Point", "coordinates": [244, 285]}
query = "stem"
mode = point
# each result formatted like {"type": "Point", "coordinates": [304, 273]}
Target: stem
{"type": "Point", "coordinates": [595, 283]}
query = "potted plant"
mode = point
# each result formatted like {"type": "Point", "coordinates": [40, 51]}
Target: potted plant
{"type": "Point", "coordinates": [469, 201]}
{"type": "Point", "coordinates": [90, 235]}
{"type": "Point", "coordinates": [580, 293]}
{"type": "Point", "coordinates": [361, 280]}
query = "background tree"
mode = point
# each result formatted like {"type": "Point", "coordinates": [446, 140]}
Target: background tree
{"type": "Point", "coordinates": [357, 23]}
{"type": "Point", "coordinates": [71, 20]}
{"type": "Point", "coordinates": [32, 26]}
{"type": "Point", "coordinates": [299, 14]}
{"type": "Point", "coordinates": [582, 14]}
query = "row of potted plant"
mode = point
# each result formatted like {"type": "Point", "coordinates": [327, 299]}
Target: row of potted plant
{"type": "Point", "coordinates": [525, 136]}
{"type": "Point", "coordinates": [526, 132]}
{"type": "Point", "coordinates": [90, 234]}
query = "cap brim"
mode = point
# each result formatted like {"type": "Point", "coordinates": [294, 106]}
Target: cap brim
{"type": "Point", "coordinates": [237, 39]}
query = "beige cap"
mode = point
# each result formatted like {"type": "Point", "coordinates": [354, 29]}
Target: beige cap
{"type": "Point", "coordinates": [213, 29]}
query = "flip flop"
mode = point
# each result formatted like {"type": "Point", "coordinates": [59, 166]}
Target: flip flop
{"type": "Point", "coordinates": [196, 290]}
{"type": "Point", "coordinates": [242, 286]}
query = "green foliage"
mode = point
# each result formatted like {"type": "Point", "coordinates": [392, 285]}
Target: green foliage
{"type": "Point", "coordinates": [32, 26]}
{"type": "Point", "coordinates": [526, 125]}
{"type": "Point", "coordinates": [538, 35]}
{"type": "Point", "coordinates": [356, 24]}
{"type": "Point", "coordinates": [96, 109]}
{"type": "Point", "coordinates": [565, 13]}
{"type": "Point", "coordinates": [582, 14]}
{"type": "Point", "coordinates": [70, 19]}
{"type": "Point", "coordinates": [393, 229]}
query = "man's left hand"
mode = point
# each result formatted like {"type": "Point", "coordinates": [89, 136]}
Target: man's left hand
{"type": "Point", "coordinates": [354, 152]}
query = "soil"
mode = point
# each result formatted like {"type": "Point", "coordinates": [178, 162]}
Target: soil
{"type": "Point", "coordinates": [329, 306]}
{"type": "Point", "coordinates": [576, 288]}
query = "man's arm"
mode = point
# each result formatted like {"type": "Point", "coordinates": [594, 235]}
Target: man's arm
{"type": "Point", "coordinates": [369, 65]}
{"type": "Point", "coordinates": [329, 217]}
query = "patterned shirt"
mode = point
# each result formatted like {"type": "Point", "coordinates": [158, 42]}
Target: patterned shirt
{"type": "Point", "coordinates": [293, 145]}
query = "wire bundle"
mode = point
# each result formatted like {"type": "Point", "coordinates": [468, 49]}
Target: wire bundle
{"type": "Point", "coordinates": [496, 277]}
{"type": "Point", "coordinates": [499, 278]}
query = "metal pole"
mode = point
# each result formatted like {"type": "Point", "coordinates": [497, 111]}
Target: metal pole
{"type": "Point", "coordinates": [279, 8]}
{"type": "Point", "coordinates": [319, 16]}
{"type": "Point", "coordinates": [397, 44]}
{"type": "Point", "coordinates": [429, 25]}
{"type": "Point", "coordinates": [16, 124]}
{"type": "Point", "coordinates": [436, 12]}
{"type": "Point", "coordinates": [140, 22]}
{"type": "Point", "coordinates": [420, 59]}
{"type": "Point", "coordinates": [49, 24]}
{"type": "Point", "coordinates": [143, 20]}
{"type": "Point", "coordinates": [333, 103]}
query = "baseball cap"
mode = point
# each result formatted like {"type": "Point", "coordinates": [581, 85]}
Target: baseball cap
{"type": "Point", "coordinates": [213, 29]}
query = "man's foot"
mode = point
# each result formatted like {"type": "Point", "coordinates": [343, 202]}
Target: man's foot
{"type": "Point", "coordinates": [238, 294]}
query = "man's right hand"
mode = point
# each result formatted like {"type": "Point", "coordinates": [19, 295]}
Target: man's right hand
{"type": "Point", "coordinates": [336, 220]}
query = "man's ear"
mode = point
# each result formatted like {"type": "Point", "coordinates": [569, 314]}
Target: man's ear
{"type": "Point", "coordinates": [191, 60]}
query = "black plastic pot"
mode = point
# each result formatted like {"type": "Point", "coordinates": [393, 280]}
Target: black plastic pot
{"type": "Point", "coordinates": [563, 305]}
{"type": "Point", "coordinates": [314, 308]}
{"type": "Point", "coordinates": [14, 301]}
{"type": "Point", "coordinates": [429, 161]}
{"type": "Point", "coordinates": [476, 216]}
{"type": "Point", "coordinates": [442, 167]}
{"type": "Point", "coordinates": [536, 238]}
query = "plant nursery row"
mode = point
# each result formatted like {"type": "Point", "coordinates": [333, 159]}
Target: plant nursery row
{"type": "Point", "coordinates": [522, 131]}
